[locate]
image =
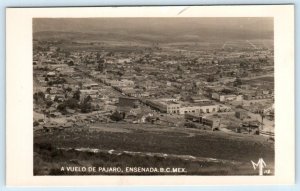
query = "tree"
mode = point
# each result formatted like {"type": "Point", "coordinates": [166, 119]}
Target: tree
{"type": "Point", "coordinates": [49, 103]}
{"type": "Point", "coordinates": [39, 97]}
{"type": "Point", "coordinates": [179, 68]}
{"type": "Point", "coordinates": [101, 65]}
{"type": "Point", "coordinates": [226, 91]}
{"type": "Point", "coordinates": [71, 63]}
{"type": "Point", "coordinates": [71, 103]}
{"type": "Point", "coordinates": [68, 89]}
{"type": "Point", "coordinates": [87, 99]}
{"type": "Point", "coordinates": [48, 90]}
{"type": "Point", "coordinates": [120, 73]}
{"type": "Point", "coordinates": [35, 123]}
{"type": "Point", "coordinates": [86, 107]}
{"type": "Point", "coordinates": [237, 82]}
{"type": "Point", "coordinates": [117, 116]}
{"type": "Point", "coordinates": [61, 107]}
{"type": "Point", "coordinates": [210, 79]}
{"type": "Point", "coordinates": [56, 98]}
{"type": "Point", "coordinates": [239, 106]}
{"type": "Point", "coordinates": [150, 119]}
{"type": "Point", "coordinates": [49, 83]}
{"type": "Point", "coordinates": [76, 95]}
{"type": "Point", "coordinates": [137, 69]}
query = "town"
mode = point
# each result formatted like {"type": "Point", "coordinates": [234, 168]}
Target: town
{"type": "Point", "coordinates": [232, 90]}
{"type": "Point", "coordinates": [109, 101]}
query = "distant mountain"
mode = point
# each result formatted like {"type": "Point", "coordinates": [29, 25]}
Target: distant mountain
{"type": "Point", "coordinates": [154, 29]}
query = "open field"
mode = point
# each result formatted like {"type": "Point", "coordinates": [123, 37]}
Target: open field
{"type": "Point", "coordinates": [219, 152]}
{"type": "Point", "coordinates": [264, 82]}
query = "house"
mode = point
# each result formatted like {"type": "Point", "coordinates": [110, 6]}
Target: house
{"type": "Point", "coordinates": [128, 102]}
{"type": "Point", "coordinates": [213, 123]}
{"type": "Point", "coordinates": [89, 92]}
{"type": "Point", "coordinates": [199, 108]}
{"type": "Point", "coordinates": [123, 82]}
{"type": "Point", "coordinates": [165, 105]}
{"type": "Point", "coordinates": [51, 74]}
{"type": "Point", "coordinates": [199, 99]}
{"type": "Point", "coordinates": [90, 85]}
{"type": "Point", "coordinates": [241, 114]}
{"type": "Point", "coordinates": [224, 98]}
{"type": "Point", "coordinates": [227, 97]}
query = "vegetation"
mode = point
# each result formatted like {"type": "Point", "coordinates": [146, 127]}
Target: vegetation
{"type": "Point", "coordinates": [117, 116]}
{"type": "Point", "coordinates": [35, 123]}
{"type": "Point", "coordinates": [76, 95]}
{"type": "Point", "coordinates": [39, 97]}
{"type": "Point", "coordinates": [70, 63]}
{"type": "Point", "coordinates": [86, 105]}
{"type": "Point", "coordinates": [56, 81]}
{"type": "Point", "coordinates": [69, 103]}
{"type": "Point", "coordinates": [190, 125]}
{"type": "Point", "coordinates": [237, 82]}
{"type": "Point", "coordinates": [209, 144]}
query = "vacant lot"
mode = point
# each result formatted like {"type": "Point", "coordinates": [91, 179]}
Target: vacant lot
{"type": "Point", "coordinates": [237, 148]}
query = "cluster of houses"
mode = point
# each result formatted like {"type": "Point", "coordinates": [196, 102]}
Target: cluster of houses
{"type": "Point", "coordinates": [177, 83]}
{"type": "Point", "coordinates": [175, 106]}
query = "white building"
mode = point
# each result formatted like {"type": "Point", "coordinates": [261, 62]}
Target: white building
{"type": "Point", "coordinates": [225, 98]}
{"type": "Point", "coordinates": [199, 109]}
{"type": "Point", "coordinates": [122, 82]}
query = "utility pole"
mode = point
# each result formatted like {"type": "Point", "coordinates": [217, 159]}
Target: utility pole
{"type": "Point", "coordinates": [262, 120]}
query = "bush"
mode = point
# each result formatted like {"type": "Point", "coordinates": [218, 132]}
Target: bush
{"type": "Point", "coordinates": [61, 107]}
{"type": "Point", "coordinates": [190, 125]}
{"type": "Point", "coordinates": [49, 103]}
{"type": "Point", "coordinates": [86, 107]}
{"type": "Point", "coordinates": [70, 63]}
{"type": "Point", "coordinates": [117, 116]}
{"type": "Point", "coordinates": [39, 97]}
{"type": "Point", "coordinates": [35, 123]}
{"type": "Point", "coordinates": [71, 103]}
{"type": "Point", "coordinates": [239, 106]}
{"type": "Point", "coordinates": [76, 95]}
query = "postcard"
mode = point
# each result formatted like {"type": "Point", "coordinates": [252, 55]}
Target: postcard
{"type": "Point", "coordinates": [199, 95]}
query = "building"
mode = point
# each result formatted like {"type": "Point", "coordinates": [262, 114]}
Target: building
{"type": "Point", "coordinates": [177, 107]}
{"type": "Point", "coordinates": [156, 105]}
{"type": "Point", "coordinates": [214, 124]}
{"type": "Point", "coordinates": [90, 92]}
{"type": "Point", "coordinates": [123, 82]}
{"type": "Point", "coordinates": [258, 97]}
{"type": "Point", "coordinates": [90, 86]}
{"type": "Point", "coordinates": [241, 114]}
{"type": "Point", "coordinates": [128, 102]}
{"type": "Point", "coordinates": [164, 105]}
{"type": "Point", "coordinates": [138, 93]}
{"type": "Point", "coordinates": [199, 99]}
{"type": "Point", "coordinates": [199, 108]}
{"type": "Point", "coordinates": [51, 74]}
{"type": "Point", "coordinates": [172, 107]}
{"type": "Point", "coordinates": [227, 97]}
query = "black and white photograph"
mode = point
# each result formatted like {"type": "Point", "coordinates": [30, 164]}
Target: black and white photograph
{"type": "Point", "coordinates": [166, 95]}
{"type": "Point", "coordinates": [153, 96]}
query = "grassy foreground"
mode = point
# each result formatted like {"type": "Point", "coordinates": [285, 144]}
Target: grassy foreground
{"type": "Point", "coordinates": [231, 153]}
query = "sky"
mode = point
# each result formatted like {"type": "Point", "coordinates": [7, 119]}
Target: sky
{"type": "Point", "coordinates": [237, 28]}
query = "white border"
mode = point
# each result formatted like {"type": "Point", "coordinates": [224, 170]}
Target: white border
{"type": "Point", "coordinates": [19, 133]}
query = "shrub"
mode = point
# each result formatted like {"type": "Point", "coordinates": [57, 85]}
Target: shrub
{"type": "Point", "coordinates": [35, 123]}
{"type": "Point", "coordinates": [117, 116]}
{"type": "Point", "coordinates": [190, 125]}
